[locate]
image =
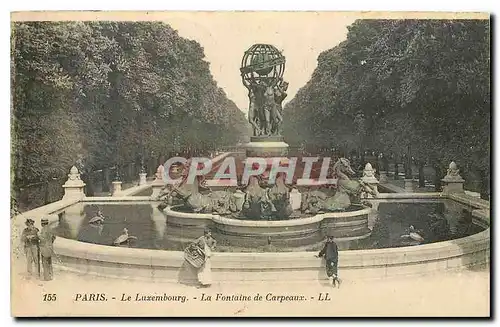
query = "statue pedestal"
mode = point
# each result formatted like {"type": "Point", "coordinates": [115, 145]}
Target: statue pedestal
{"type": "Point", "coordinates": [369, 178]}
{"type": "Point", "coordinates": [455, 185]}
{"type": "Point", "coordinates": [383, 177]}
{"type": "Point", "coordinates": [409, 185]}
{"type": "Point", "coordinates": [142, 178]}
{"type": "Point", "coordinates": [117, 188]}
{"type": "Point", "coordinates": [74, 191]}
{"type": "Point", "coordinates": [453, 182]}
{"type": "Point", "coordinates": [266, 146]}
{"type": "Point", "coordinates": [295, 199]}
{"type": "Point", "coordinates": [157, 186]}
{"type": "Point", "coordinates": [74, 186]}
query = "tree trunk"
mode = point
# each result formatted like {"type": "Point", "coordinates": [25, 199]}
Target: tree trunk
{"type": "Point", "coordinates": [362, 163]}
{"type": "Point", "coordinates": [437, 178]}
{"type": "Point", "coordinates": [396, 168]}
{"type": "Point", "coordinates": [105, 180]}
{"type": "Point", "coordinates": [421, 175]}
{"type": "Point", "coordinates": [484, 184]}
{"type": "Point", "coordinates": [89, 188]}
{"type": "Point", "coordinates": [385, 164]}
{"type": "Point", "coordinates": [46, 195]}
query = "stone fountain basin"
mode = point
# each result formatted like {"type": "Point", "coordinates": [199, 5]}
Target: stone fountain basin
{"type": "Point", "coordinates": [157, 265]}
{"type": "Point", "coordinates": [169, 266]}
{"type": "Point", "coordinates": [289, 233]}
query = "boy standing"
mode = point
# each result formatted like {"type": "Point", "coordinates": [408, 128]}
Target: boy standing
{"type": "Point", "coordinates": [331, 254]}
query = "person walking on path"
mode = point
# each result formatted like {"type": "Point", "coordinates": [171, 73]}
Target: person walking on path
{"type": "Point", "coordinates": [331, 254]}
{"type": "Point", "coordinates": [30, 240]}
{"type": "Point", "coordinates": [207, 243]}
{"type": "Point", "coordinates": [47, 238]}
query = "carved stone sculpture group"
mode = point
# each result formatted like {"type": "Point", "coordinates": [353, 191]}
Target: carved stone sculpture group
{"type": "Point", "coordinates": [260, 202]}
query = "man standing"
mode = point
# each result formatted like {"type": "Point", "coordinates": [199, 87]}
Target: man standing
{"type": "Point", "coordinates": [46, 249]}
{"type": "Point", "coordinates": [331, 254]}
{"type": "Point", "coordinates": [30, 239]}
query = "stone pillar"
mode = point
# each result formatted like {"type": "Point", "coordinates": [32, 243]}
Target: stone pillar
{"type": "Point", "coordinates": [142, 178]}
{"type": "Point", "coordinates": [373, 215]}
{"type": "Point", "coordinates": [157, 186]}
{"type": "Point", "coordinates": [295, 199]}
{"type": "Point", "coordinates": [158, 183]}
{"type": "Point", "coordinates": [409, 185]}
{"type": "Point", "coordinates": [117, 188]}
{"type": "Point", "coordinates": [74, 186]}
{"type": "Point", "coordinates": [453, 182]}
{"type": "Point", "coordinates": [369, 177]}
{"type": "Point", "coordinates": [160, 222]}
{"type": "Point", "coordinates": [383, 177]}
{"type": "Point", "coordinates": [71, 220]}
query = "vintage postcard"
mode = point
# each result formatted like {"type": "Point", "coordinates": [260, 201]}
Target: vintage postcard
{"type": "Point", "coordinates": [250, 164]}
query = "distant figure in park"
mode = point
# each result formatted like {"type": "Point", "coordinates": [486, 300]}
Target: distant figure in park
{"type": "Point", "coordinates": [207, 244]}
{"type": "Point", "coordinates": [30, 239]}
{"type": "Point", "coordinates": [47, 239]}
{"type": "Point", "coordinates": [331, 254]}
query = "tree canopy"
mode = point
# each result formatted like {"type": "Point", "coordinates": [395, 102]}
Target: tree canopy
{"type": "Point", "coordinates": [399, 84]}
{"type": "Point", "coordinates": [108, 92]}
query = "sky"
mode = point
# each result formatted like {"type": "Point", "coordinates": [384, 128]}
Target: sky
{"type": "Point", "coordinates": [225, 36]}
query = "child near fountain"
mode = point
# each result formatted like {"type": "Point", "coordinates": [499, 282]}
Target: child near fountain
{"type": "Point", "coordinates": [331, 255]}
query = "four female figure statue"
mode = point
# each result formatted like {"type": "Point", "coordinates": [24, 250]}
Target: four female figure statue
{"type": "Point", "coordinates": [265, 108]}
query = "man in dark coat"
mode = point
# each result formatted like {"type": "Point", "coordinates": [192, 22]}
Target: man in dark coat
{"type": "Point", "coordinates": [331, 254]}
{"type": "Point", "coordinates": [30, 239]}
{"type": "Point", "coordinates": [46, 249]}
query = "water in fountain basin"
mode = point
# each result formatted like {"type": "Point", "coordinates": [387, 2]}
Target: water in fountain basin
{"type": "Point", "coordinates": [434, 220]}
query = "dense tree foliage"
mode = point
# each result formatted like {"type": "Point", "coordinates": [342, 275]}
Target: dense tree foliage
{"type": "Point", "coordinates": [395, 85]}
{"type": "Point", "coordinates": [108, 92]}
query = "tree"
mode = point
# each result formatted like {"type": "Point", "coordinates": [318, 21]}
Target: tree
{"type": "Point", "coordinates": [106, 93]}
{"type": "Point", "coordinates": [419, 84]}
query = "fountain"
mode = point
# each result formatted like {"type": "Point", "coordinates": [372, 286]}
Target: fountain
{"type": "Point", "coordinates": [265, 185]}
{"type": "Point", "coordinates": [268, 202]}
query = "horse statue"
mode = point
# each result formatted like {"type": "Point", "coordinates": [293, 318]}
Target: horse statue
{"type": "Point", "coordinates": [348, 191]}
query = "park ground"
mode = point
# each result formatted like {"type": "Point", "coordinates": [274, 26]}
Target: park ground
{"type": "Point", "coordinates": [462, 294]}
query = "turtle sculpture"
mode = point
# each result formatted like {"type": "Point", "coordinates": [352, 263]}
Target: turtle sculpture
{"type": "Point", "coordinates": [413, 236]}
{"type": "Point", "coordinates": [124, 239]}
{"type": "Point", "coordinates": [98, 219]}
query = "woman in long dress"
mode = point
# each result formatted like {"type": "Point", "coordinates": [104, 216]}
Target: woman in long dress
{"type": "Point", "coordinates": [207, 243]}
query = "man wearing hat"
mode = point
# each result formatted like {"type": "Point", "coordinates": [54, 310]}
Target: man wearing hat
{"type": "Point", "coordinates": [331, 253]}
{"type": "Point", "coordinates": [46, 249]}
{"type": "Point", "coordinates": [30, 239]}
